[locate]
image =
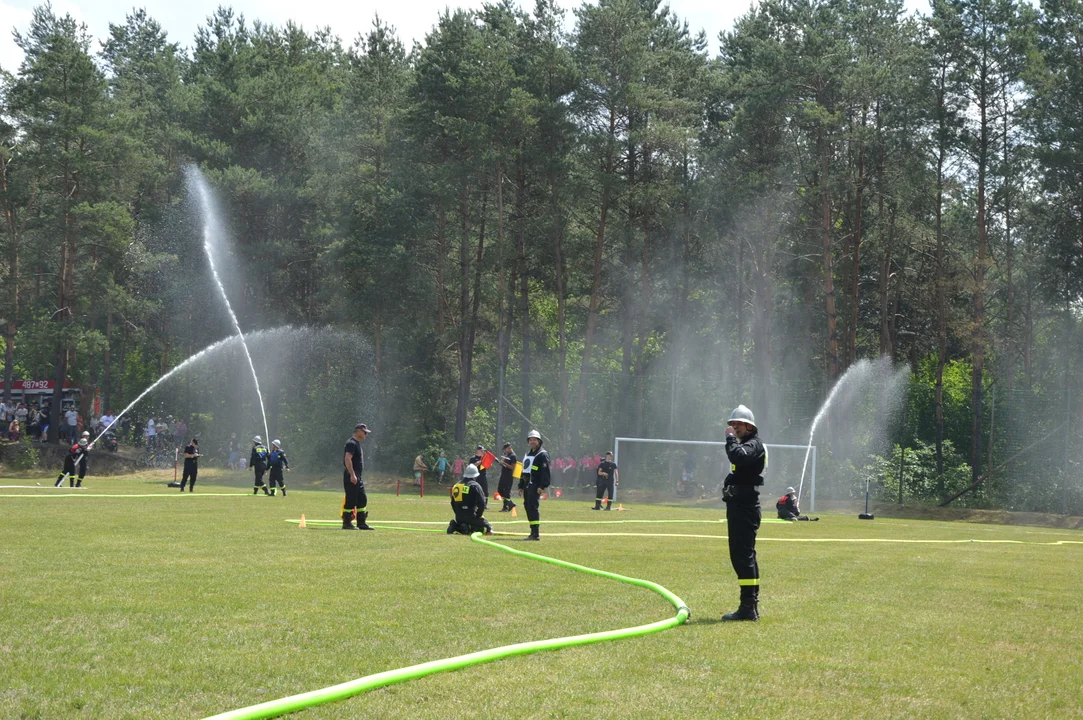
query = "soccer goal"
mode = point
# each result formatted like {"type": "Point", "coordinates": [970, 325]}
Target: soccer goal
{"type": "Point", "coordinates": [695, 469]}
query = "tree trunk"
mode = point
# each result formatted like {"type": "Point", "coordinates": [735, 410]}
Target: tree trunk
{"type": "Point", "coordinates": [978, 317]}
{"type": "Point", "coordinates": [441, 255]}
{"type": "Point", "coordinates": [524, 287]}
{"type": "Point", "coordinates": [14, 232]}
{"type": "Point", "coordinates": [829, 272]}
{"type": "Point", "coordinates": [596, 282]}
{"type": "Point", "coordinates": [855, 270]}
{"type": "Point", "coordinates": [464, 316]}
{"type": "Point", "coordinates": [558, 249]}
{"type": "Point", "coordinates": [941, 300]}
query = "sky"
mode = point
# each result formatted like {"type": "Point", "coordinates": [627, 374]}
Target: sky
{"type": "Point", "coordinates": [412, 18]}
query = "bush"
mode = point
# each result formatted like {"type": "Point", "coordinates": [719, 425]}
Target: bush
{"type": "Point", "coordinates": [920, 479]}
{"type": "Point", "coordinates": [22, 455]}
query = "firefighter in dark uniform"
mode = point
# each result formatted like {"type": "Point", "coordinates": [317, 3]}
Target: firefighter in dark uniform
{"type": "Point", "coordinates": [507, 474]}
{"type": "Point", "coordinates": [258, 462]}
{"type": "Point", "coordinates": [788, 508]}
{"type": "Point", "coordinates": [276, 462]}
{"type": "Point", "coordinates": [534, 481]}
{"type": "Point", "coordinates": [748, 459]}
{"type": "Point", "coordinates": [483, 479]}
{"type": "Point", "coordinates": [607, 483]}
{"type": "Point", "coordinates": [468, 504]}
{"type": "Point", "coordinates": [191, 465]}
{"type": "Point", "coordinates": [356, 501]}
{"type": "Point", "coordinates": [76, 461]}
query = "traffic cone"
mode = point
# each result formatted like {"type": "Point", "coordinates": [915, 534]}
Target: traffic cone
{"type": "Point", "coordinates": [513, 512]}
{"type": "Point", "coordinates": [620, 507]}
{"type": "Point", "coordinates": [302, 523]}
{"type": "Point", "coordinates": [496, 496]}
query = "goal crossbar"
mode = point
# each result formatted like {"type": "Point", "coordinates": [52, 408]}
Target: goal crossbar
{"type": "Point", "coordinates": [665, 441]}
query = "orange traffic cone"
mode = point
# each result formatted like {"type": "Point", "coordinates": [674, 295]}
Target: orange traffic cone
{"type": "Point", "coordinates": [620, 507]}
{"type": "Point", "coordinates": [302, 523]}
{"type": "Point", "coordinates": [513, 512]}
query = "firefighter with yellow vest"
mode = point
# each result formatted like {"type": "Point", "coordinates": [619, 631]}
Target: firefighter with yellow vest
{"type": "Point", "coordinates": [740, 491]}
{"type": "Point", "coordinates": [468, 504]}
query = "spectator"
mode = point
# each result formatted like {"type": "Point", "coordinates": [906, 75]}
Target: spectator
{"type": "Point", "coordinates": [234, 452]}
{"type": "Point", "coordinates": [46, 421]}
{"type": "Point", "coordinates": [162, 430]}
{"type": "Point", "coordinates": [21, 413]}
{"type": "Point", "coordinates": [71, 425]}
{"type": "Point", "coordinates": [14, 432]}
{"type": "Point", "coordinates": [419, 469]}
{"type": "Point", "coordinates": [457, 467]}
{"type": "Point", "coordinates": [441, 467]}
{"type": "Point", "coordinates": [151, 433]}
{"type": "Point", "coordinates": [5, 410]}
{"type": "Point", "coordinates": [33, 424]}
{"type": "Point", "coordinates": [180, 432]}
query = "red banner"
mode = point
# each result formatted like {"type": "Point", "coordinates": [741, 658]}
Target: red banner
{"type": "Point", "coordinates": [34, 385]}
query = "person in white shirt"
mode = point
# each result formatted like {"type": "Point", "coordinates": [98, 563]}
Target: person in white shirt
{"type": "Point", "coordinates": [71, 423]}
{"type": "Point", "coordinates": [150, 433]}
{"type": "Point", "coordinates": [4, 410]}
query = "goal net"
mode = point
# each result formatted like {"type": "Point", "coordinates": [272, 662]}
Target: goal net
{"type": "Point", "coordinates": [659, 470]}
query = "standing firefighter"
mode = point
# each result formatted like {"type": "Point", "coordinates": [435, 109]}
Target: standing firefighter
{"type": "Point", "coordinates": [507, 474]}
{"type": "Point", "coordinates": [356, 501]}
{"type": "Point", "coordinates": [468, 504]}
{"type": "Point", "coordinates": [748, 459]}
{"type": "Point", "coordinates": [76, 461]}
{"type": "Point", "coordinates": [276, 462]}
{"type": "Point", "coordinates": [258, 463]}
{"type": "Point", "coordinates": [607, 482]}
{"type": "Point", "coordinates": [534, 481]}
{"type": "Point", "coordinates": [191, 465]}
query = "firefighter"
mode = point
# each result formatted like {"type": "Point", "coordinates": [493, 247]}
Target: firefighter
{"type": "Point", "coordinates": [483, 478]}
{"type": "Point", "coordinates": [276, 461]}
{"type": "Point", "coordinates": [788, 509]}
{"type": "Point", "coordinates": [607, 482]}
{"type": "Point", "coordinates": [76, 460]}
{"type": "Point", "coordinates": [748, 459]}
{"type": "Point", "coordinates": [258, 463]}
{"type": "Point", "coordinates": [507, 474]}
{"type": "Point", "coordinates": [353, 483]}
{"type": "Point", "coordinates": [191, 465]}
{"type": "Point", "coordinates": [534, 481]}
{"type": "Point", "coordinates": [468, 504]}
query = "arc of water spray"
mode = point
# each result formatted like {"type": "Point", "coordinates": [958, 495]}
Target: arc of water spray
{"type": "Point", "coordinates": [193, 359]}
{"type": "Point", "coordinates": [853, 370]}
{"type": "Point", "coordinates": [199, 183]}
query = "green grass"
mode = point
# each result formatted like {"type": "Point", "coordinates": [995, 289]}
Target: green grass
{"type": "Point", "coordinates": [184, 606]}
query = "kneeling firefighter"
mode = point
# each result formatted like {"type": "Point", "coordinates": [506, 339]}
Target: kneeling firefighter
{"type": "Point", "coordinates": [788, 508]}
{"type": "Point", "coordinates": [468, 503]}
{"type": "Point", "coordinates": [748, 459]}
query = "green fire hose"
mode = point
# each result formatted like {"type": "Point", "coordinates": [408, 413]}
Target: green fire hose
{"type": "Point", "coordinates": [283, 706]}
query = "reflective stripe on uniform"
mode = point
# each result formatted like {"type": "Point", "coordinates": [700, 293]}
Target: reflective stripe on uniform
{"type": "Point", "coordinates": [748, 581]}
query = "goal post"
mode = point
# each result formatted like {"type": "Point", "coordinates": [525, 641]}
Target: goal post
{"type": "Point", "coordinates": [794, 458]}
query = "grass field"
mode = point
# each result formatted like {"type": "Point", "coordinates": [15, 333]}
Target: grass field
{"type": "Point", "coordinates": [185, 606]}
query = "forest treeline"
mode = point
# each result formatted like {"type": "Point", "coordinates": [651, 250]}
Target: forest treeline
{"type": "Point", "coordinates": [639, 225]}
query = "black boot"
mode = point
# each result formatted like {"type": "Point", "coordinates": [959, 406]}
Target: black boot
{"type": "Point", "coordinates": [749, 608]}
{"type": "Point", "coordinates": [608, 504]}
{"type": "Point", "coordinates": [533, 533]}
{"type": "Point", "coordinates": [79, 482]}
{"type": "Point", "coordinates": [452, 527]}
{"type": "Point", "coordinates": [71, 482]}
{"type": "Point", "coordinates": [59, 481]}
{"type": "Point", "coordinates": [255, 490]}
{"type": "Point", "coordinates": [597, 504]}
{"type": "Point", "coordinates": [347, 523]}
{"type": "Point", "coordinates": [362, 521]}
{"type": "Point", "coordinates": [283, 491]}
{"type": "Point", "coordinates": [265, 491]}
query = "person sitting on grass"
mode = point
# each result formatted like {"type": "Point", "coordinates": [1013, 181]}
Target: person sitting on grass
{"type": "Point", "coordinates": [787, 507]}
{"type": "Point", "coordinates": [468, 503]}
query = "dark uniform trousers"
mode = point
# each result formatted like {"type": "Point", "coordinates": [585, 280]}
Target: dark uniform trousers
{"type": "Point", "coordinates": [70, 470]}
{"type": "Point", "coordinates": [276, 476]}
{"type": "Point", "coordinates": [743, 521]}
{"type": "Point", "coordinates": [605, 484]}
{"type": "Point", "coordinates": [469, 522]}
{"type": "Point", "coordinates": [190, 472]}
{"type": "Point", "coordinates": [532, 502]}
{"type": "Point", "coordinates": [356, 499]}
